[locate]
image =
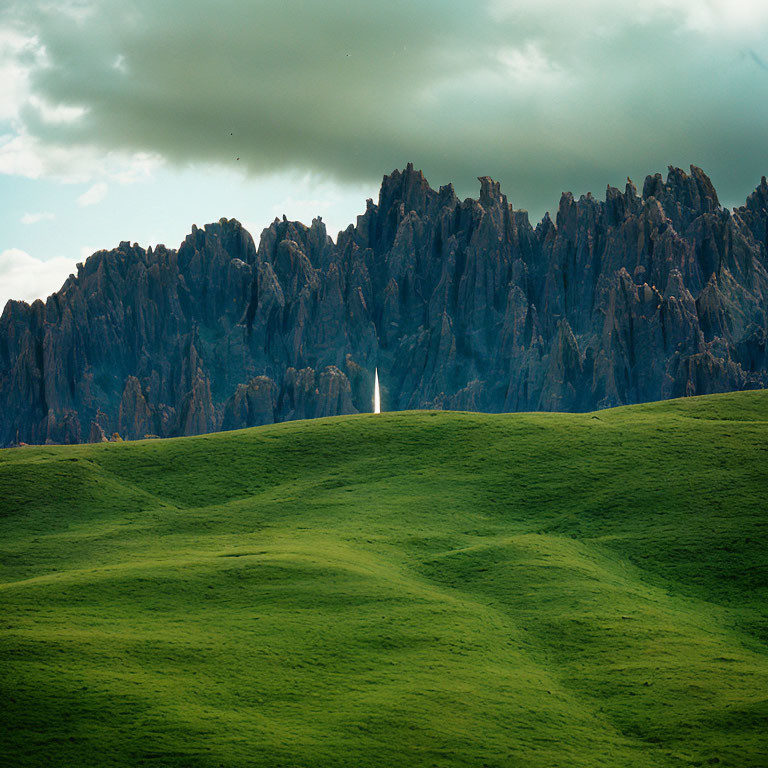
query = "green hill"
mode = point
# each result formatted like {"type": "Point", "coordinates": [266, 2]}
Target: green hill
{"type": "Point", "coordinates": [412, 589]}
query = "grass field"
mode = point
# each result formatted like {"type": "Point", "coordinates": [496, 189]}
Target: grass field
{"type": "Point", "coordinates": [412, 589]}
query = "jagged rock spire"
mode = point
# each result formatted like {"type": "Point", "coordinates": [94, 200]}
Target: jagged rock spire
{"type": "Point", "coordinates": [464, 304]}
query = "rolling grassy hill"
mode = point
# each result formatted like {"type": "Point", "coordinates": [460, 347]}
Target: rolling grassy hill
{"type": "Point", "coordinates": [412, 589]}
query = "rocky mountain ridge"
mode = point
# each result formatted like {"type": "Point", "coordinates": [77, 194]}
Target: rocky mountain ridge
{"type": "Point", "coordinates": [460, 304]}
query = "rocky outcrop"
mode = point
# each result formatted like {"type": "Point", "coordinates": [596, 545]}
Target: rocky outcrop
{"type": "Point", "coordinates": [460, 304]}
{"type": "Point", "coordinates": [134, 416]}
{"type": "Point", "coordinates": [251, 405]}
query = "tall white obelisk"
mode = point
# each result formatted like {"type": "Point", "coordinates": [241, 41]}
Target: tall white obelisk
{"type": "Point", "coordinates": [376, 394]}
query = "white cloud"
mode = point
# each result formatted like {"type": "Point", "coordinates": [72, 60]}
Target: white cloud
{"type": "Point", "coordinates": [22, 154]}
{"type": "Point", "coordinates": [732, 18]}
{"type": "Point", "coordinates": [14, 71]}
{"type": "Point", "coordinates": [55, 114]}
{"type": "Point", "coordinates": [27, 156]}
{"type": "Point", "coordinates": [136, 167]}
{"type": "Point", "coordinates": [721, 17]}
{"type": "Point", "coordinates": [26, 278]}
{"type": "Point", "coordinates": [34, 218]}
{"type": "Point", "coordinates": [527, 65]}
{"type": "Point", "coordinates": [93, 195]}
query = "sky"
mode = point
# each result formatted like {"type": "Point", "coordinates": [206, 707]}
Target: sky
{"type": "Point", "coordinates": [134, 119]}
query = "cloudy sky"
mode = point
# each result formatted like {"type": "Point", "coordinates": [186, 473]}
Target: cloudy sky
{"type": "Point", "coordinates": [133, 119]}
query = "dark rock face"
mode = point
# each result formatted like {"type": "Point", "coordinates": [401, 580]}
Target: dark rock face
{"type": "Point", "coordinates": [460, 304]}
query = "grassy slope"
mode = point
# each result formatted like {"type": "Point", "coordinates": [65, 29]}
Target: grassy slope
{"type": "Point", "coordinates": [420, 589]}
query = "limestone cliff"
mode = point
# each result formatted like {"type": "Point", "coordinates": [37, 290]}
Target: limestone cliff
{"type": "Point", "coordinates": [460, 304]}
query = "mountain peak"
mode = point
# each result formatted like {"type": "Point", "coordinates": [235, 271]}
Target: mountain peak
{"type": "Point", "coordinates": [457, 309]}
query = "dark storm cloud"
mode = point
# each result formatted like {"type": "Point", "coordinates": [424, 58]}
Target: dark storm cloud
{"type": "Point", "coordinates": [544, 95]}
